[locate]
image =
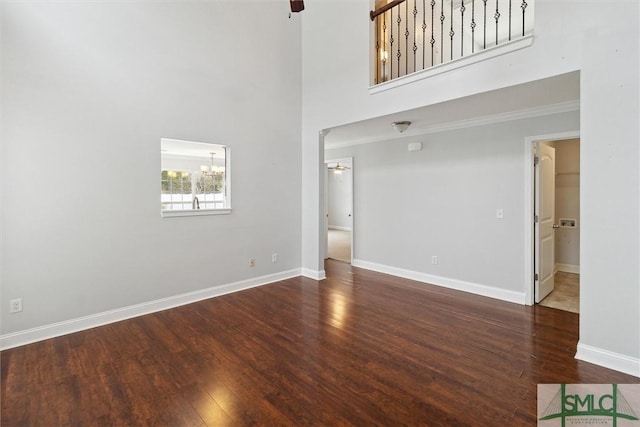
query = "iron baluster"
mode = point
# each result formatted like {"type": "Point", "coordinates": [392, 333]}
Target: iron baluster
{"type": "Point", "coordinates": [433, 40]}
{"type": "Point", "coordinates": [424, 29]}
{"type": "Point", "coordinates": [399, 54]}
{"type": "Point", "coordinates": [451, 32]}
{"type": "Point", "coordinates": [415, 46]}
{"type": "Point", "coordinates": [384, 45]}
{"type": "Point", "coordinates": [523, 6]}
{"type": "Point", "coordinates": [441, 31]}
{"type": "Point", "coordinates": [378, 57]}
{"type": "Point", "coordinates": [484, 43]}
{"type": "Point", "coordinates": [391, 45]}
{"type": "Point", "coordinates": [509, 20]}
{"type": "Point", "coordinates": [462, 9]}
{"type": "Point", "coordinates": [473, 26]}
{"type": "Point", "coordinates": [497, 16]}
{"type": "Point", "coordinates": [406, 38]}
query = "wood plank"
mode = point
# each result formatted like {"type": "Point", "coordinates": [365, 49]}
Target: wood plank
{"type": "Point", "coordinates": [359, 348]}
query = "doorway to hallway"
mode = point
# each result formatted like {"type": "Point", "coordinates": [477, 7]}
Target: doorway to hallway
{"type": "Point", "coordinates": [339, 209]}
{"type": "Point", "coordinates": [557, 244]}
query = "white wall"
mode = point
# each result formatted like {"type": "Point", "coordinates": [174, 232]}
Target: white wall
{"type": "Point", "coordinates": [599, 38]}
{"type": "Point", "coordinates": [567, 240]}
{"type": "Point", "coordinates": [441, 201]}
{"type": "Point", "coordinates": [89, 89]}
{"type": "Point", "coordinates": [339, 200]}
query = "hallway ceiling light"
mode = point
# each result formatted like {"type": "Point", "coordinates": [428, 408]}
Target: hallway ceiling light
{"type": "Point", "coordinates": [337, 168]}
{"type": "Point", "coordinates": [401, 126]}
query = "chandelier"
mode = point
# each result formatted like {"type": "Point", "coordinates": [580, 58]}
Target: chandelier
{"type": "Point", "coordinates": [212, 170]}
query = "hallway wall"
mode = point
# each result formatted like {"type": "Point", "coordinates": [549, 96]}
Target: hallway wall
{"type": "Point", "coordinates": [568, 205]}
{"type": "Point", "coordinates": [442, 201]}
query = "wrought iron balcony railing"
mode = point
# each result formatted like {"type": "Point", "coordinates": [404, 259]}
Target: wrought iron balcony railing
{"type": "Point", "coordinates": [415, 35]}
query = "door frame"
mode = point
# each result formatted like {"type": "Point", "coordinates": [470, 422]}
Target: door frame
{"type": "Point", "coordinates": [349, 162]}
{"type": "Point", "coordinates": [529, 206]}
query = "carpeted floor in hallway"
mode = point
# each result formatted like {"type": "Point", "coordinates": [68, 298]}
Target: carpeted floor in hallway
{"type": "Point", "coordinates": [340, 245]}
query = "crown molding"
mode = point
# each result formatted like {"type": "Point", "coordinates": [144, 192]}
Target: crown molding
{"type": "Point", "coordinates": [545, 110]}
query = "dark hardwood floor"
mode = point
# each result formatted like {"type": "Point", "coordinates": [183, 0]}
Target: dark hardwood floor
{"type": "Point", "coordinates": [359, 348]}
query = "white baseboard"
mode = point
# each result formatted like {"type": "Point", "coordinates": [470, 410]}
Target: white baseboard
{"type": "Point", "coordinates": [339, 227]}
{"type": "Point", "coordinates": [445, 282]}
{"type": "Point", "coordinates": [99, 319]}
{"type": "Point", "coordinates": [608, 359]}
{"type": "Point", "coordinates": [314, 274]}
{"type": "Point", "coordinates": [568, 268]}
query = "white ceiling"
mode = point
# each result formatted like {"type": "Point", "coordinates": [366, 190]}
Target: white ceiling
{"type": "Point", "coordinates": [534, 98]}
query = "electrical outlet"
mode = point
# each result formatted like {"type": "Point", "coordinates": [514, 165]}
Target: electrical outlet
{"type": "Point", "coordinates": [252, 262]}
{"type": "Point", "coordinates": [274, 257]}
{"type": "Point", "coordinates": [434, 259]}
{"type": "Point", "coordinates": [15, 305]}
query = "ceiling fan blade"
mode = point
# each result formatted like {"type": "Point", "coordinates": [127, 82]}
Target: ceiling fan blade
{"type": "Point", "coordinates": [297, 5]}
{"type": "Point", "coordinates": [338, 166]}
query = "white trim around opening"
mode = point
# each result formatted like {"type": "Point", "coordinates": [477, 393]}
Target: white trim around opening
{"type": "Point", "coordinates": [529, 191]}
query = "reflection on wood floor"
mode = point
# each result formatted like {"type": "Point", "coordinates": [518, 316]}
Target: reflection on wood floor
{"type": "Point", "coordinates": [566, 293]}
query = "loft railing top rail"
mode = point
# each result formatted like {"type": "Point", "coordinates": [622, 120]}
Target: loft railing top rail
{"type": "Point", "coordinates": [384, 8]}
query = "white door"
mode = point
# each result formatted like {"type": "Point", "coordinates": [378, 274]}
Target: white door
{"type": "Point", "coordinates": [544, 226]}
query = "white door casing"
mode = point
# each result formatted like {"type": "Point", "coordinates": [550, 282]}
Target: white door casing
{"type": "Point", "coordinates": [326, 211]}
{"type": "Point", "coordinates": [544, 226]}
